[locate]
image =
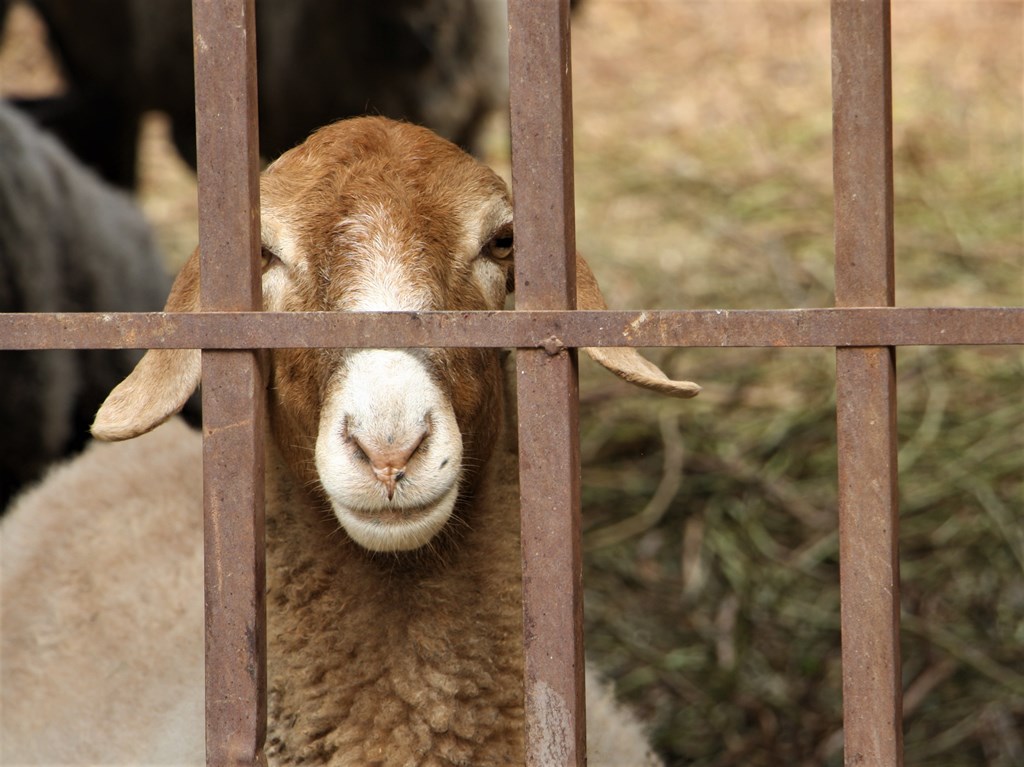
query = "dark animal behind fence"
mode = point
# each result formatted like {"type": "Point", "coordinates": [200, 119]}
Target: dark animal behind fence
{"type": "Point", "coordinates": [439, 63]}
{"type": "Point", "coordinates": [68, 243]}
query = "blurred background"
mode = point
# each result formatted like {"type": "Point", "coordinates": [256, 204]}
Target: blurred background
{"type": "Point", "coordinates": [703, 180]}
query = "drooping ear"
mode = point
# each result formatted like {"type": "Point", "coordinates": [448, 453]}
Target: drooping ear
{"type": "Point", "coordinates": [624, 361]}
{"type": "Point", "coordinates": [163, 380]}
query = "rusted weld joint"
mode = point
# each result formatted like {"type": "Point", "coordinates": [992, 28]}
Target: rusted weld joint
{"type": "Point", "coordinates": [553, 346]}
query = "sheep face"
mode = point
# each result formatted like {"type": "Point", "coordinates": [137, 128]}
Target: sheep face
{"type": "Point", "coordinates": [374, 215]}
{"type": "Point", "coordinates": [370, 215]}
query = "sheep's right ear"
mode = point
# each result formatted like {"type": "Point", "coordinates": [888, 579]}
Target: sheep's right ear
{"type": "Point", "coordinates": [163, 380]}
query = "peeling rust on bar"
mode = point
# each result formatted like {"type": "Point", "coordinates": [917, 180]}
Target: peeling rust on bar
{"type": "Point", "coordinates": [552, 345]}
{"type": "Point", "coordinates": [838, 327]}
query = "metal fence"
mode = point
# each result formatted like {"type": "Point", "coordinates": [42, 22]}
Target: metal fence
{"type": "Point", "coordinates": [865, 328]}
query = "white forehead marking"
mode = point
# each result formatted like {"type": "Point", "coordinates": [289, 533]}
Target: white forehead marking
{"type": "Point", "coordinates": [386, 279]}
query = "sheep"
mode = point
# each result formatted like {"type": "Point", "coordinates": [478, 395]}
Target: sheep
{"type": "Point", "coordinates": [441, 63]}
{"type": "Point", "coordinates": [68, 242]}
{"type": "Point", "coordinates": [394, 601]}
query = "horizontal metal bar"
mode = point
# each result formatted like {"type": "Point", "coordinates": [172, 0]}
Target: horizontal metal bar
{"type": "Point", "coordinates": [551, 330]}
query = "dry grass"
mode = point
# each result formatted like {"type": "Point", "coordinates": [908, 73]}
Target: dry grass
{"type": "Point", "coordinates": [704, 180]}
{"type": "Point", "coordinates": [703, 144]}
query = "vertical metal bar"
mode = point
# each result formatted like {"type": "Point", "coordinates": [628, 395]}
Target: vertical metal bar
{"type": "Point", "coordinates": [225, 61]}
{"type": "Point", "coordinates": [866, 386]}
{"type": "Point", "coordinates": [542, 180]}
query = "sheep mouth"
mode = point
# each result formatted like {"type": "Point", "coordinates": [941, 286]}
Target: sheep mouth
{"type": "Point", "coordinates": [396, 528]}
{"type": "Point", "coordinates": [392, 514]}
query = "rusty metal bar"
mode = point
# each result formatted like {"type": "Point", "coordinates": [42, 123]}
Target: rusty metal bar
{"type": "Point", "coordinates": [548, 396]}
{"type": "Point", "coordinates": [866, 387]}
{"type": "Point", "coordinates": [229, 243]}
{"type": "Point", "coordinates": [838, 327]}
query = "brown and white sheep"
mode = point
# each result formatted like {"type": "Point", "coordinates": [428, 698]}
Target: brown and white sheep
{"type": "Point", "coordinates": [394, 600]}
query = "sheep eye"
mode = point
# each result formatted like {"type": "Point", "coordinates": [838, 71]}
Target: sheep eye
{"type": "Point", "coordinates": [501, 243]}
{"type": "Point", "coordinates": [269, 257]}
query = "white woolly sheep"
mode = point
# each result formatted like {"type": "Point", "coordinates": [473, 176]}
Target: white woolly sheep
{"type": "Point", "coordinates": [68, 243]}
{"type": "Point", "coordinates": [439, 63]}
{"type": "Point", "coordinates": [394, 602]}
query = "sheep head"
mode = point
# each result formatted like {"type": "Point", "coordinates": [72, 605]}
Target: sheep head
{"type": "Point", "coordinates": [373, 215]}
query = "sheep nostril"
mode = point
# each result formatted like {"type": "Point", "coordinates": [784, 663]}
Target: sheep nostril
{"type": "Point", "coordinates": [360, 451]}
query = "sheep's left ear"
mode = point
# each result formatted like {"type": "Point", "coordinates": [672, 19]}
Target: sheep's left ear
{"type": "Point", "coordinates": [624, 361]}
{"type": "Point", "coordinates": [163, 380]}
